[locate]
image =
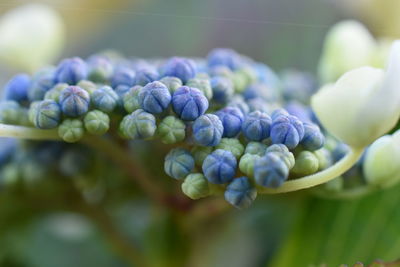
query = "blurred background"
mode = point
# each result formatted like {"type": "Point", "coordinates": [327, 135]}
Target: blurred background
{"type": "Point", "coordinates": [283, 34]}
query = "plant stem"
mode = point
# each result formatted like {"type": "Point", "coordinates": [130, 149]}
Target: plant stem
{"type": "Point", "coordinates": [318, 178]}
{"type": "Point", "coordinates": [22, 132]}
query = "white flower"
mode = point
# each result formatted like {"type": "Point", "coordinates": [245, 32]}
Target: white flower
{"type": "Point", "coordinates": [363, 104]}
{"type": "Point", "coordinates": [31, 36]}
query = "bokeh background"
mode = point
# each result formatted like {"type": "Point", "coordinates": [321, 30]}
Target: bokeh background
{"type": "Point", "coordinates": [283, 34]}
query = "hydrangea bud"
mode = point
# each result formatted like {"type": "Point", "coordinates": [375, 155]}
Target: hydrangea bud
{"type": "Point", "coordinates": [182, 68]}
{"type": "Point", "coordinates": [313, 138]}
{"type": "Point", "coordinates": [257, 104]}
{"type": "Point", "coordinates": [41, 83]}
{"type": "Point", "coordinates": [257, 126]}
{"type": "Point", "coordinates": [45, 114]}
{"type": "Point", "coordinates": [284, 153]}
{"type": "Point", "coordinates": [9, 112]}
{"type": "Point", "coordinates": [203, 85]}
{"type": "Point", "coordinates": [222, 89]}
{"type": "Point", "coordinates": [138, 125]}
{"type": "Point", "coordinates": [71, 71]}
{"type": "Point", "coordinates": [363, 104]}
{"type": "Point", "coordinates": [287, 130]}
{"type": "Point", "coordinates": [233, 145]}
{"type": "Point", "coordinates": [207, 130]}
{"type": "Point", "coordinates": [304, 113]}
{"type": "Point", "coordinates": [74, 101]}
{"type": "Point", "coordinates": [17, 88]}
{"type": "Point", "coordinates": [189, 103]}
{"type": "Point", "coordinates": [97, 122]}
{"type": "Point", "coordinates": [232, 119]}
{"type": "Point", "coordinates": [145, 76]}
{"type": "Point", "coordinates": [123, 76]}
{"type": "Point", "coordinates": [219, 167]}
{"type": "Point", "coordinates": [71, 130]}
{"type": "Point", "coordinates": [88, 86]}
{"type": "Point", "coordinates": [171, 130]}
{"type": "Point", "coordinates": [154, 97]}
{"type": "Point", "coordinates": [245, 76]}
{"type": "Point", "coordinates": [100, 69]}
{"type": "Point", "coordinates": [172, 83]}
{"type": "Point", "coordinates": [178, 163]}
{"type": "Point", "coordinates": [257, 90]}
{"type": "Point", "coordinates": [200, 153]}
{"type": "Point", "coordinates": [238, 102]}
{"type": "Point", "coordinates": [324, 158]}
{"type": "Point", "coordinates": [246, 163]}
{"type": "Point", "coordinates": [55, 92]}
{"type": "Point", "coordinates": [240, 193]}
{"type": "Point", "coordinates": [256, 148]}
{"type": "Point", "coordinates": [270, 171]}
{"type": "Point", "coordinates": [306, 163]}
{"type": "Point", "coordinates": [105, 99]}
{"type": "Point", "coordinates": [131, 99]}
{"type": "Point", "coordinates": [225, 57]}
{"type": "Point", "coordinates": [195, 186]}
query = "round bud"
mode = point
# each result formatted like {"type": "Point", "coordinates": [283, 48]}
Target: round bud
{"type": "Point", "coordinates": [71, 130]}
{"type": "Point", "coordinates": [283, 152]}
{"type": "Point", "coordinates": [207, 130]}
{"type": "Point", "coordinates": [324, 158]}
{"type": "Point", "coordinates": [189, 103]}
{"type": "Point", "coordinates": [172, 83]}
{"type": "Point", "coordinates": [171, 130]}
{"type": "Point", "coordinates": [256, 126]}
{"type": "Point", "coordinates": [154, 97]}
{"type": "Point", "coordinates": [238, 102]}
{"type": "Point", "coordinates": [222, 89]}
{"type": "Point", "coordinates": [270, 171]}
{"type": "Point", "coordinates": [287, 130]}
{"type": "Point", "coordinates": [195, 186]}
{"type": "Point", "coordinates": [55, 92]}
{"type": "Point", "coordinates": [123, 76]}
{"type": "Point", "coordinates": [10, 112]}
{"type": "Point", "coordinates": [306, 164]}
{"type": "Point", "coordinates": [138, 125]}
{"type": "Point", "coordinates": [71, 71]}
{"type": "Point", "coordinates": [313, 138]}
{"type": "Point", "coordinates": [17, 88]}
{"type": "Point", "coordinates": [219, 167]}
{"type": "Point", "coordinates": [182, 68]}
{"type": "Point", "coordinates": [225, 57]}
{"type": "Point", "coordinates": [104, 99]}
{"type": "Point", "coordinates": [256, 148]}
{"type": "Point", "coordinates": [74, 101]}
{"type": "Point", "coordinates": [240, 192]}
{"type": "Point", "coordinates": [40, 84]}
{"type": "Point", "coordinates": [246, 164]}
{"type": "Point", "coordinates": [145, 76]}
{"type": "Point", "coordinates": [200, 153]}
{"type": "Point", "coordinates": [45, 114]}
{"type": "Point", "coordinates": [131, 99]}
{"type": "Point", "coordinates": [203, 85]}
{"type": "Point", "coordinates": [232, 119]}
{"type": "Point", "coordinates": [100, 69]}
{"type": "Point", "coordinates": [233, 145]}
{"type": "Point", "coordinates": [97, 122]}
{"type": "Point", "coordinates": [178, 163]}
{"type": "Point", "coordinates": [88, 86]}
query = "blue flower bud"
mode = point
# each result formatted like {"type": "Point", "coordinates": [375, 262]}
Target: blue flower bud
{"type": "Point", "coordinates": [74, 101]}
{"type": "Point", "coordinates": [279, 112]}
{"type": "Point", "coordinates": [97, 122]}
{"type": "Point", "coordinates": [131, 99]}
{"type": "Point", "coordinates": [207, 130]}
{"type": "Point", "coordinates": [270, 171]}
{"type": "Point", "coordinates": [195, 186]}
{"type": "Point", "coordinates": [71, 130]}
{"type": "Point", "coordinates": [256, 148]}
{"type": "Point", "coordinates": [287, 130]}
{"type": "Point", "coordinates": [313, 138]}
{"type": "Point", "coordinates": [340, 151]}
{"type": "Point", "coordinates": [17, 88]}
{"type": "Point", "coordinates": [171, 130]}
{"type": "Point", "coordinates": [183, 68]}
{"type": "Point", "coordinates": [71, 71]}
{"type": "Point", "coordinates": [224, 56]}
{"type": "Point", "coordinates": [222, 89]}
{"type": "Point", "coordinates": [189, 103]}
{"type": "Point", "coordinates": [284, 153]}
{"type": "Point", "coordinates": [45, 114]}
{"type": "Point", "coordinates": [138, 125]}
{"type": "Point", "coordinates": [238, 102]}
{"type": "Point", "coordinates": [232, 119]}
{"type": "Point", "coordinates": [256, 126]}
{"type": "Point", "coordinates": [154, 97]}
{"type": "Point", "coordinates": [178, 163]}
{"type": "Point", "coordinates": [172, 83]}
{"type": "Point", "coordinates": [233, 145]}
{"type": "Point", "coordinates": [259, 90]}
{"type": "Point", "coordinates": [240, 193]}
{"type": "Point", "coordinates": [219, 167]}
{"type": "Point", "coordinates": [145, 76]}
{"type": "Point", "coordinates": [100, 69]}
{"type": "Point", "coordinates": [104, 99]}
{"type": "Point", "coordinates": [200, 153]}
{"type": "Point", "coordinates": [304, 113]}
{"type": "Point", "coordinates": [257, 104]}
{"type": "Point", "coordinates": [40, 84]}
{"type": "Point", "coordinates": [123, 76]}
{"type": "Point", "coordinates": [203, 85]}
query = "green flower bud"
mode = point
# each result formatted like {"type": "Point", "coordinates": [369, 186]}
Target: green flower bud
{"type": "Point", "coordinates": [243, 78]}
{"type": "Point", "coordinates": [324, 158]}
{"type": "Point", "coordinates": [54, 93]}
{"type": "Point", "coordinates": [200, 153]}
{"type": "Point", "coordinates": [306, 164]}
{"type": "Point", "coordinates": [195, 186]}
{"type": "Point", "coordinates": [88, 86]}
{"type": "Point", "coordinates": [131, 99]}
{"type": "Point", "coordinates": [172, 83]}
{"type": "Point", "coordinates": [203, 85]}
{"type": "Point", "coordinates": [138, 125]}
{"type": "Point", "coordinates": [233, 145]}
{"type": "Point", "coordinates": [284, 153]}
{"type": "Point", "coordinates": [10, 112]}
{"type": "Point", "coordinates": [97, 122]}
{"type": "Point", "coordinates": [246, 164]}
{"type": "Point", "coordinates": [256, 148]}
{"type": "Point", "coordinates": [171, 130]}
{"type": "Point", "coordinates": [71, 130]}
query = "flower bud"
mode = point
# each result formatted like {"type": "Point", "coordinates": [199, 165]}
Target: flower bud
{"type": "Point", "coordinates": [171, 130]}
{"type": "Point", "coordinates": [195, 186]}
{"type": "Point", "coordinates": [42, 82]}
{"type": "Point", "coordinates": [256, 126]}
{"type": "Point", "coordinates": [306, 163]}
{"type": "Point", "coordinates": [71, 71]}
{"type": "Point", "coordinates": [17, 88]}
{"type": "Point", "coordinates": [182, 68]}
{"type": "Point", "coordinates": [71, 130]}
{"type": "Point", "coordinates": [256, 148]}
{"type": "Point", "coordinates": [232, 119]}
{"type": "Point", "coordinates": [233, 145]}
{"type": "Point", "coordinates": [100, 69]}
{"type": "Point", "coordinates": [246, 163]}
{"type": "Point", "coordinates": [222, 89]}
{"type": "Point", "coordinates": [224, 57]}
{"type": "Point", "coordinates": [131, 99]}
{"type": "Point", "coordinates": [270, 171]}
{"type": "Point", "coordinates": [123, 76]}
{"type": "Point", "coordinates": [287, 130]}
{"type": "Point", "coordinates": [240, 193]}
{"type": "Point", "coordinates": [97, 122]}
{"type": "Point", "coordinates": [105, 99]}
{"type": "Point", "coordinates": [45, 114]}
{"type": "Point", "coordinates": [313, 138]}
{"type": "Point", "coordinates": [178, 163]}
{"type": "Point", "coordinates": [172, 83]}
{"type": "Point", "coordinates": [207, 130]}
{"type": "Point", "coordinates": [154, 97]}
{"type": "Point", "coordinates": [145, 76]}
{"type": "Point", "coordinates": [55, 92]}
{"type": "Point", "coordinates": [200, 153]}
{"type": "Point", "coordinates": [74, 101]}
{"type": "Point", "coordinates": [138, 125]}
{"type": "Point", "coordinates": [219, 167]}
{"type": "Point", "coordinates": [203, 85]}
{"type": "Point", "coordinates": [189, 103]}
{"type": "Point", "coordinates": [283, 152]}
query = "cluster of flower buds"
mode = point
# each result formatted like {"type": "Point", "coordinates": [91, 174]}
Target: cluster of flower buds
{"type": "Point", "coordinates": [233, 124]}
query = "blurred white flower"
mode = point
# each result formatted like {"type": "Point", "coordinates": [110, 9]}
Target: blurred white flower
{"type": "Point", "coordinates": [363, 104]}
{"type": "Point", "coordinates": [31, 36]}
{"type": "Point", "coordinates": [381, 165]}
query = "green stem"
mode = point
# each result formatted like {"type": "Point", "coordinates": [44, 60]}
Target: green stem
{"type": "Point", "coordinates": [320, 177]}
{"type": "Point", "coordinates": [27, 132]}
